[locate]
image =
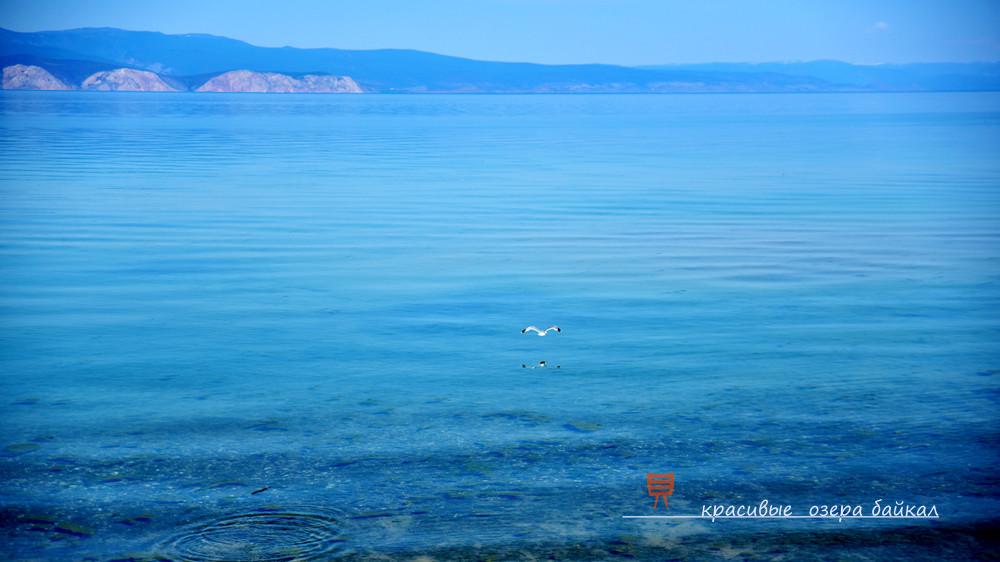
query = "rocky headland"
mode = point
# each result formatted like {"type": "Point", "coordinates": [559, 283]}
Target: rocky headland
{"type": "Point", "coordinates": [126, 80]}
{"type": "Point", "coordinates": [32, 77]}
{"type": "Point", "coordinates": [29, 77]}
{"type": "Point", "coordinates": [274, 83]}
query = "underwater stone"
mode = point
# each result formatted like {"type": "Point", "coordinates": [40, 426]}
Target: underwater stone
{"type": "Point", "coordinates": [21, 448]}
{"type": "Point", "coordinates": [583, 427]}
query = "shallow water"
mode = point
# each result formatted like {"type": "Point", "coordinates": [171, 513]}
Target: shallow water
{"type": "Point", "coordinates": [252, 327]}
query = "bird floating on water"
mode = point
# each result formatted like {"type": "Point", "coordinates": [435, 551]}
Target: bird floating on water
{"type": "Point", "coordinates": [540, 332]}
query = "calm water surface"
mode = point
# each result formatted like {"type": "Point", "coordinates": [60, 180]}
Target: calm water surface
{"type": "Point", "coordinates": [791, 298]}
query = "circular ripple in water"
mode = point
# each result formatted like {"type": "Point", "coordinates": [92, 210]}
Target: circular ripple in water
{"type": "Point", "coordinates": [262, 535]}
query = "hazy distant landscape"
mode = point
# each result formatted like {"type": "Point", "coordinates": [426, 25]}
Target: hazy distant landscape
{"type": "Point", "coordinates": [238, 325]}
{"type": "Point", "coordinates": [118, 60]}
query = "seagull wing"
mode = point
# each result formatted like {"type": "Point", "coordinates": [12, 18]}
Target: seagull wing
{"type": "Point", "coordinates": [531, 328]}
{"type": "Point", "coordinates": [556, 328]}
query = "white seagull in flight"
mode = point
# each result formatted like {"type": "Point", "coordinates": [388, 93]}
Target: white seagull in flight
{"type": "Point", "coordinates": [541, 333]}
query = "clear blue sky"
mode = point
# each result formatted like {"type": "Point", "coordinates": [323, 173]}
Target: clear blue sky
{"type": "Point", "coordinates": [628, 32]}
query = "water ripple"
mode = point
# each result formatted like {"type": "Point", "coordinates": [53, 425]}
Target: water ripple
{"type": "Point", "coordinates": [273, 534]}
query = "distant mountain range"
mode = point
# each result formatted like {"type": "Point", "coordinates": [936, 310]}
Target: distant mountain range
{"type": "Point", "coordinates": [115, 59]}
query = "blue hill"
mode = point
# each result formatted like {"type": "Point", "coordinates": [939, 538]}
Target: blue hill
{"type": "Point", "coordinates": [189, 60]}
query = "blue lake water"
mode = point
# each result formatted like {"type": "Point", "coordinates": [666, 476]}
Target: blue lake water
{"type": "Point", "coordinates": [790, 298]}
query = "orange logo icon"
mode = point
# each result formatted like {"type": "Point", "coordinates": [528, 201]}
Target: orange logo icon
{"type": "Point", "coordinates": [660, 485]}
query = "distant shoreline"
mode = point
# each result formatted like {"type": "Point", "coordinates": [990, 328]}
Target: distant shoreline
{"type": "Point", "coordinates": [118, 60]}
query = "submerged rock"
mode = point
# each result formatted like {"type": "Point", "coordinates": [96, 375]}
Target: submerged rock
{"type": "Point", "coordinates": [582, 427]}
{"type": "Point", "coordinates": [70, 528]}
{"type": "Point", "coordinates": [21, 448]}
{"type": "Point", "coordinates": [274, 83]}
